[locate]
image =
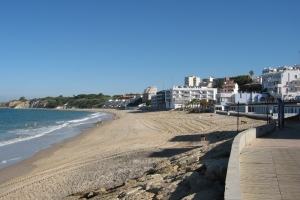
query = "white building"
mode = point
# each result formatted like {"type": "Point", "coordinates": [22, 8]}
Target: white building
{"type": "Point", "coordinates": [191, 81]}
{"type": "Point", "coordinates": [114, 103]}
{"type": "Point", "coordinates": [284, 82]}
{"type": "Point", "coordinates": [207, 82]}
{"type": "Point", "coordinates": [230, 88]}
{"type": "Point", "coordinates": [148, 92]}
{"type": "Point", "coordinates": [179, 96]}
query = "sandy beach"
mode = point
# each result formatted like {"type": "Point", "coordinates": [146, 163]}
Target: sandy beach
{"type": "Point", "coordinates": [113, 152]}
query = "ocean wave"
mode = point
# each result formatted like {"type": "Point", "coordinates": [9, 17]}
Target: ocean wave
{"type": "Point", "coordinates": [5, 161]}
{"type": "Point", "coordinates": [91, 116]}
{"type": "Point", "coordinates": [31, 134]}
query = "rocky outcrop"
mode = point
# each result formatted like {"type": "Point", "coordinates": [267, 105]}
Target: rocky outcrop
{"type": "Point", "coordinates": [37, 104]}
{"type": "Point", "coordinates": [27, 104]}
{"type": "Point", "coordinates": [13, 104]}
{"type": "Point", "coordinates": [197, 174]}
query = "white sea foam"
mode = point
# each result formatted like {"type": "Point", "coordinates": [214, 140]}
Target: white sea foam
{"type": "Point", "coordinates": [5, 161]}
{"type": "Point", "coordinates": [32, 133]}
{"type": "Point", "coordinates": [78, 120]}
{"type": "Point", "coordinates": [36, 132]}
{"type": "Point", "coordinates": [92, 116]}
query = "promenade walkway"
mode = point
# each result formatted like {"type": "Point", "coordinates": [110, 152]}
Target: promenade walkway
{"type": "Point", "coordinates": [270, 165]}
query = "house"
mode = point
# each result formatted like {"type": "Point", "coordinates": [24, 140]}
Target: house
{"type": "Point", "coordinates": [229, 88]}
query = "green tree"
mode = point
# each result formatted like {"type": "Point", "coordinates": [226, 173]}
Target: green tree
{"type": "Point", "coordinates": [242, 81]}
{"type": "Point", "coordinates": [22, 98]}
{"type": "Point", "coordinates": [218, 83]}
{"type": "Point", "coordinates": [148, 102]}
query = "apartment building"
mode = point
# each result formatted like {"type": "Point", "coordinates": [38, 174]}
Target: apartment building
{"type": "Point", "coordinates": [179, 96]}
{"type": "Point", "coordinates": [191, 81]}
{"type": "Point", "coordinates": [207, 82]}
{"type": "Point", "coordinates": [158, 101]}
{"type": "Point", "coordinates": [283, 82]}
{"type": "Point", "coordinates": [148, 92]}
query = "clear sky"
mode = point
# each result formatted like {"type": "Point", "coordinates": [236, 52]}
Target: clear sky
{"type": "Point", "coordinates": [71, 47]}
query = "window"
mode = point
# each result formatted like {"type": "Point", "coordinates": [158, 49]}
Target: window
{"type": "Point", "coordinates": [295, 76]}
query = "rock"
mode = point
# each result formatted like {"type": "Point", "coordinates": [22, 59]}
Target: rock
{"type": "Point", "coordinates": [101, 191]}
{"type": "Point", "coordinates": [162, 164]}
{"type": "Point", "coordinates": [215, 169]}
{"type": "Point", "coordinates": [71, 198]}
{"type": "Point", "coordinates": [203, 185]}
{"type": "Point", "coordinates": [130, 182]}
{"type": "Point", "coordinates": [210, 175]}
{"type": "Point", "coordinates": [153, 182]}
{"type": "Point", "coordinates": [191, 180]}
{"type": "Point", "coordinates": [173, 191]}
{"type": "Point", "coordinates": [186, 160]}
{"type": "Point", "coordinates": [136, 193]}
{"type": "Point", "coordinates": [181, 177]}
{"type": "Point", "coordinates": [167, 170]}
{"type": "Point", "coordinates": [204, 195]}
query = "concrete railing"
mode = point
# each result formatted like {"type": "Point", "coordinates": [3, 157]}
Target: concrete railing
{"type": "Point", "coordinates": [232, 183]}
{"type": "Point", "coordinates": [286, 115]}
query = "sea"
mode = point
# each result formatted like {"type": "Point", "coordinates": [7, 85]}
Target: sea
{"type": "Point", "coordinates": [24, 132]}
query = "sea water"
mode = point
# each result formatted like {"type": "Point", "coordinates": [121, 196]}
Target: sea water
{"type": "Point", "coordinates": [24, 132]}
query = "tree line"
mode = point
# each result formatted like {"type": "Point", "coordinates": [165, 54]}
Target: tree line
{"type": "Point", "coordinates": [77, 101]}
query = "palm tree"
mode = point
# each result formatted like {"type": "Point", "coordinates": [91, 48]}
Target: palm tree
{"type": "Point", "coordinates": [251, 74]}
{"type": "Point", "coordinates": [203, 104]}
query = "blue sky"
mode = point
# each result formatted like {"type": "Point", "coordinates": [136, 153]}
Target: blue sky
{"type": "Point", "coordinates": [71, 47]}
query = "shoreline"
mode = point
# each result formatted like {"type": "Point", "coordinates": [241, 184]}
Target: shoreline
{"type": "Point", "coordinates": [26, 165]}
{"type": "Point", "coordinates": [109, 154]}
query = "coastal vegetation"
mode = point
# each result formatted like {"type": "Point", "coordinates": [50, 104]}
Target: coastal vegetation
{"type": "Point", "coordinates": [78, 101]}
{"type": "Point", "coordinates": [81, 101]}
{"type": "Point", "coordinates": [197, 105]}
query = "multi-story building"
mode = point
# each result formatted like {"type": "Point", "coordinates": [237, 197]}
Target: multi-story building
{"type": "Point", "coordinates": [122, 102]}
{"type": "Point", "coordinates": [207, 82]}
{"type": "Point", "coordinates": [114, 103]}
{"type": "Point", "coordinates": [229, 88]}
{"type": "Point", "coordinates": [179, 96]}
{"type": "Point", "coordinates": [283, 82]}
{"type": "Point", "coordinates": [158, 101]}
{"type": "Point", "coordinates": [191, 81]}
{"type": "Point", "coordinates": [148, 92]}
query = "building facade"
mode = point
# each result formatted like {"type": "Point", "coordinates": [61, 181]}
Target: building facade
{"type": "Point", "coordinates": [283, 82]}
{"type": "Point", "coordinates": [191, 81]}
{"type": "Point", "coordinates": [158, 101]}
{"type": "Point", "coordinates": [229, 88]}
{"type": "Point", "coordinates": [148, 92]}
{"type": "Point", "coordinates": [180, 96]}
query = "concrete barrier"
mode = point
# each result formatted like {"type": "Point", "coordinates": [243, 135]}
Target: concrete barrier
{"type": "Point", "coordinates": [232, 183]}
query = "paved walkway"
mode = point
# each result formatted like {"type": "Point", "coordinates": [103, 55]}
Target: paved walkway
{"type": "Point", "coordinates": [270, 166]}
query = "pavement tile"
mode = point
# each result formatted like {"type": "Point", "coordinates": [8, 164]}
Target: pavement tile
{"type": "Point", "coordinates": [271, 163]}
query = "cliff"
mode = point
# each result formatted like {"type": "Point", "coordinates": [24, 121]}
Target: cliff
{"type": "Point", "coordinates": [27, 104]}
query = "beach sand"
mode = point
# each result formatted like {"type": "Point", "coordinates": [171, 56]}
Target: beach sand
{"type": "Point", "coordinates": [114, 151]}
